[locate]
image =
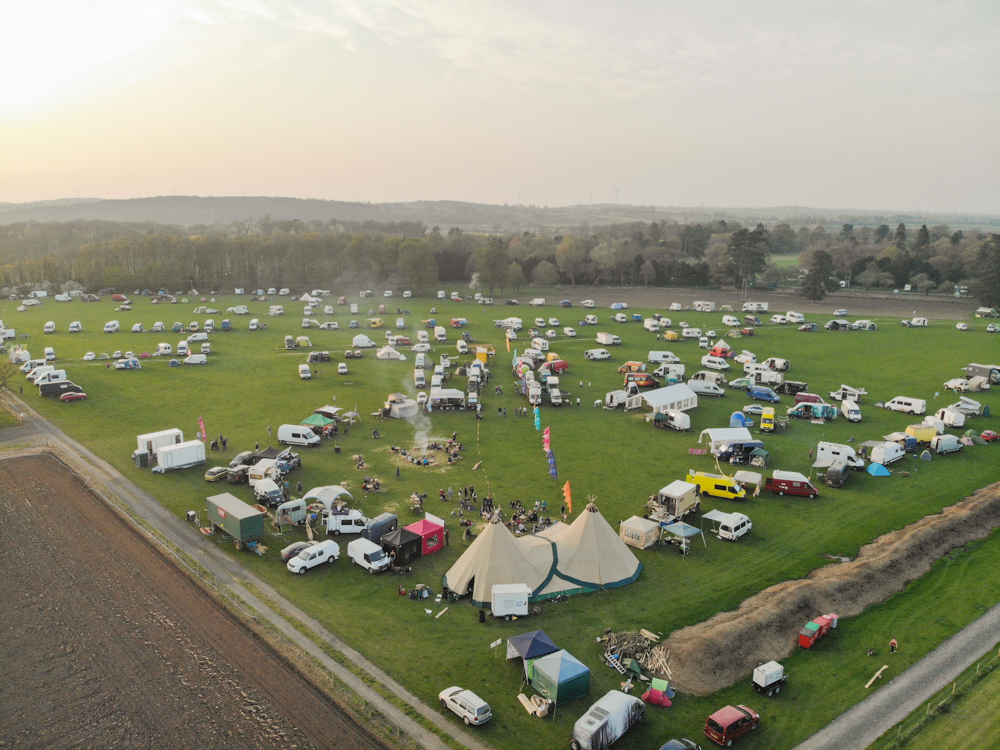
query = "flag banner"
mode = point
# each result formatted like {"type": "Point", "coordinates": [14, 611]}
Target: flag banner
{"type": "Point", "coordinates": [201, 427]}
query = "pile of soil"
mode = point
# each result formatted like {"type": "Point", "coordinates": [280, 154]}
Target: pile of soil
{"type": "Point", "coordinates": [723, 650]}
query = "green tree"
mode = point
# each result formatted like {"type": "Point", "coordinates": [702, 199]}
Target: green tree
{"type": "Point", "coordinates": [900, 238]}
{"type": "Point", "coordinates": [882, 233]}
{"type": "Point", "coordinates": [417, 265]}
{"type": "Point", "coordinates": [492, 261]}
{"type": "Point", "coordinates": [923, 236]}
{"type": "Point", "coordinates": [748, 253]}
{"type": "Point", "coordinates": [819, 280]}
{"type": "Point", "coordinates": [545, 274]}
{"type": "Point", "coordinates": [987, 285]}
{"type": "Point", "coordinates": [846, 232]}
{"type": "Point", "coordinates": [515, 276]}
{"type": "Point", "coordinates": [783, 240]}
{"type": "Point", "coordinates": [572, 257]}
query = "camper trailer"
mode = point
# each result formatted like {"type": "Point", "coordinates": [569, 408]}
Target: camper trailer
{"type": "Point", "coordinates": [673, 502]}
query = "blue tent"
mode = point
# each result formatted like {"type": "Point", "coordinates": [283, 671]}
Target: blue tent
{"type": "Point", "coordinates": [530, 645]}
{"type": "Point", "coordinates": [739, 419]}
{"type": "Point", "coordinates": [878, 470]}
{"type": "Point", "coordinates": [559, 677]}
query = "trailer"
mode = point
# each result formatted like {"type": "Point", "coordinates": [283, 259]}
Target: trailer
{"type": "Point", "coordinates": [244, 523]}
{"type": "Point", "coordinates": [768, 678]}
{"type": "Point", "coordinates": [180, 456]}
{"type": "Point", "coordinates": [816, 629]}
{"type": "Point", "coordinates": [673, 502]}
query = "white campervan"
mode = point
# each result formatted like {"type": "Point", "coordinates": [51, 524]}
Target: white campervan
{"type": "Point", "coordinates": [111, 326]}
{"type": "Point", "coordinates": [294, 434]}
{"type": "Point", "coordinates": [907, 405]}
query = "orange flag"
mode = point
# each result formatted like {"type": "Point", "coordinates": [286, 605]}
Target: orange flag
{"type": "Point", "coordinates": [508, 344]}
{"type": "Point", "coordinates": [568, 496]}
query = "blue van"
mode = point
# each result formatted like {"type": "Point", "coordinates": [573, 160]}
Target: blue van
{"type": "Point", "coordinates": [762, 393]}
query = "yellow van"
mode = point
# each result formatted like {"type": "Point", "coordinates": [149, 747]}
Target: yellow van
{"type": "Point", "coordinates": [767, 419]}
{"type": "Point", "coordinates": [717, 485]}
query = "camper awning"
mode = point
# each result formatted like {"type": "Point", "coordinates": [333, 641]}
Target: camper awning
{"type": "Point", "coordinates": [328, 411]}
{"type": "Point", "coordinates": [681, 529]}
{"type": "Point", "coordinates": [318, 420]}
{"type": "Point", "coordinates": [747, 477]}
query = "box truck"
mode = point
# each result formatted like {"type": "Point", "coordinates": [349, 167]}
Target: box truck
{"type": "Point", "coordinates": [608, 339]}
{"type": "Point", "coordinates": [244, 523]}
{"type": "Point", "coordinates": [179, 456]}
{"type": "Point", "coordinates": [673, 502]}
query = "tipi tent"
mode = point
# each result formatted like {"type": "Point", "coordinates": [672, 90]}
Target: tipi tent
{"type": "Point", "coordinates": [494, 557]}
{"type": "Point", "coordinates": [530, 645]}
{"type": "Point", "coordinates": [590, 557]}
{"type": "Point", "coordinates": [558, 676]}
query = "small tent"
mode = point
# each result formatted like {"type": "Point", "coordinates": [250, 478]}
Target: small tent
{"type": "Point", "coordinates": [558, 676]}
{"type": "Point", "coordinates": [739, 419]}
{"type": "Point", "coordinates": [639, 532]}
{"type": "Point", "coordinates": [878, 470]}
{"type": "Point", "coordinates": [926, 456]}
{"type": "Point", "coordinates": [400, 407]}
{"type": "Point", "coordinates": [530, 645]}
{"type": "Point", "coordinates": [405, 543]}
{"type": "Point", "coordinates": [972, 436]}
{"type": "Point", "coordinates": [431, 535]}
{"type": "Point", "coordinates": [388, 352]}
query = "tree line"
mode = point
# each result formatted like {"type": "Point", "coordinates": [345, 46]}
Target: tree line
{"type": "Point", "coordinates": [96, 255]}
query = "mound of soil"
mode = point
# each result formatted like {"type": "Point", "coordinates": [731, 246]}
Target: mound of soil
{"type": "Point", "coordinates": [717, 653]}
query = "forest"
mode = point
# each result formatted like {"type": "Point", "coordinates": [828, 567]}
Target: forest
{"type": "Point", "coordinates": [96, 255]}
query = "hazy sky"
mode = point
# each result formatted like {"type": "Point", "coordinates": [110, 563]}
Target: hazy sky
{"type": "Point", "coordinates": [893, 104]}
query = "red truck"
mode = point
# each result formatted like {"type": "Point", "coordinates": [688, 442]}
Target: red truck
{"type": "Point", "coordinates": [816, 629]}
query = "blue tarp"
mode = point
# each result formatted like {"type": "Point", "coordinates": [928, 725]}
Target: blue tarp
{"type": "Point", "coordinates": [878, 470]}
{"type": "Point", "coordinates": [530, 645]}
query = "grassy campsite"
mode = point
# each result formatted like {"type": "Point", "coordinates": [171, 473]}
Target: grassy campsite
{"type": "Point", "coordinates": [616, 458]}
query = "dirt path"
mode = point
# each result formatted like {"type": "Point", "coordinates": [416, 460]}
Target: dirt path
{"type": "Point", "coordinates": [861, 725]}
{"type": "Point", "coordinates": [279, 612]}
{"type": "Point", "coordinates": [111, 644]}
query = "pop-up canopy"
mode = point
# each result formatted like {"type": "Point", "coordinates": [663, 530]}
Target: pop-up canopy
{"type": "Point", "coordinates": [530, 645]}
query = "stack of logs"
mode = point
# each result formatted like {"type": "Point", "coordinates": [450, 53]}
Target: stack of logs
{"type": "Point", "coordinates": [640, 645]}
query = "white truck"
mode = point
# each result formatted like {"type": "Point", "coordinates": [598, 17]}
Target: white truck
{"type": "Point", "coordinates": [345, 521]}
{"type": "Point", "coordinates": [367, 555]}
{"type": "Point", "coordinates": [327, 551]}
{"type": "Point", "coordinates": [608, 339]}
{"type": "Point", "coordinates": [673, 502]}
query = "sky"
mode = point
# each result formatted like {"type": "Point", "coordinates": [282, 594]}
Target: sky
{"type": "Point", "coordinates": [889, 105]}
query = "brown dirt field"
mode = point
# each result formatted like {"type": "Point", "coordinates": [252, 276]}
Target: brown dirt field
{"type": "Point", "coordinates": [105, 643]}
{"type": "Point", "coordinates": [712, 655]}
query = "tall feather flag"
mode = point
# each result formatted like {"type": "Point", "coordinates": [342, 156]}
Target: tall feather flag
{"type": "Point", "coordinates": [201, 426]}
{"type": "Point", "coordinates": [508, 342]}
{"type": "Point", "coordinates": [546, 440]}
{"type": "Point", "coordinates": [569, 496]}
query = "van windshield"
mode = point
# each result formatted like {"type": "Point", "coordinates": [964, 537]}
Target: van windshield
{"type": "Point", "coordinates": [375, 556]}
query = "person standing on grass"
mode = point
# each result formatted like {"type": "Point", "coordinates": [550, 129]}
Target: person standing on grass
{"type": "Point", "coordinates": [893, 645]}
{"type": "Point", "coordinates": [269, 430]}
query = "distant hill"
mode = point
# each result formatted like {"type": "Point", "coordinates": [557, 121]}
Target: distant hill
{"type": "Point", "coordinates": [194, 210]}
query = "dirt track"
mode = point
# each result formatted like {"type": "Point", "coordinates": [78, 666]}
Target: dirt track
{"type": "Point", "coordinates": [715, 654]}
{"type": "Point", "coordinates": [106, 643]}
{"type": "Point", "coordinates": [858, 304]}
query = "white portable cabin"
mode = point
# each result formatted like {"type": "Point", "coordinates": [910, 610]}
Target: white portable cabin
{"type": "Point", "coordinates": [179, 456]}
{"type": "Point", "coordinates": [510, 600]}
{"type": "Point", "coordinates": [639, 532]}
{"type": "Point", "coordinates": [153, 440]}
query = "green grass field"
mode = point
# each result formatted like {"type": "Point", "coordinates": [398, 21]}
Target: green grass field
{"type": "Point", "coordinates": [251, 382]}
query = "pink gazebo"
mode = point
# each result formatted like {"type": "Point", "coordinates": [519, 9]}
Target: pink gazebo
{"type": "Point", "coordinates": [431, 535]}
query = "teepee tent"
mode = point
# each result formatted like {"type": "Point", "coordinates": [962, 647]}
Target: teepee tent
{"type": "Point", "coordinates": [558, 676]}
{"type": "Point", "coordinates": [591, 556]}
{"type": "Point", "coordinates": [495, 557]}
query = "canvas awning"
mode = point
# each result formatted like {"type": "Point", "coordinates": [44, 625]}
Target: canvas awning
{"type": "Point", "coordinates": [747, 477]}
{"type": "Point", "coordinates": [530, 645]}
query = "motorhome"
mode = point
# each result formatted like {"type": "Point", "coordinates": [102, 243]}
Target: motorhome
{"type": "Point", "coordinates": [907, 405]}
{"type": "Point", "coordinates": [830, 452]}
{"type": "Point", "coordinates": [790, 483]}
{"type": "Point", "coordinates": [850, 410]}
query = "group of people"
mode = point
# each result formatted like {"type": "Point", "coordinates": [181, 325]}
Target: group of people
{"type": "Point", "coordinates": [221, 443]}
{"type": "Point", "coordinates": [371, 484]}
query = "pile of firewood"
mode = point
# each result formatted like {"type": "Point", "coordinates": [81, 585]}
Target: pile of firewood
{"type": "Point", "coordinates": [640, 645]}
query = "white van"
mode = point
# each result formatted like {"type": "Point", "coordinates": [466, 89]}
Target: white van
{"type": "Point", "coordinates": [907, 405]}
{"type": "Point", "coordinates": [670, 370]}
{"type": "Point", "coordinates": [652, 325]}
{"type": "Point", "coordinates": [596, 354]}
{"type": "Point", "coordinates": [420, 361]}
{"type": "Point", "coordinates": [706, 388]}
{"type": "Point", "coordinates": [37, 372]}
{"type": "Point", "coordinates": [52, 376]}
{"type": "Point", "coordinates": [590, 320]}
{"type": "Point", "coordinates": [305, 372]}
{"type": "Point", "coordinates": [197, 337]}
{"type": "Point", "coordinates": [795, 317]}
{"type": "Point", "coordinates": [368, 555]}
{"type": "Point", "coordinates": [137, 328]}
{"type": "Point", "coordinates": [732, 525]}
{"type": "Point", "coordinates": [423, 337]}
{"type": "Point", "coordinates": [210, 326]}
{"type": "Point", "coordinates": [620, 318]}
{"type": "Point", "coordinates": [164, 349]}
{"type": "Point", "coordinates": [714, 363]}
{"type": "Point", "coordinates": [75, 327]}
{"type": "Point", "coordinates": [327, 551]}
{"type": "Point", "coordinates": [850, 410]}
{"type": "Point", "coordinates": [731, 320]}
{"type": "Point", "coordinates": [31, 364]}
{"type": "Point", "coordinates": [111, 326]}
{"type": "Point", "coordinates": [440, 334]}
{"type": "Point", "coordinates": [419, 379]}
{"type": "Point", "coordinates": [254, 324]}
{"type": "Point", "coordinates": [664, 357]}
{"type": "Point", "coordinates": [838, 452]}
{"type": "Point", "coordinates": [537, 302]}
{"type": "Point", "coordinates": [608, 339]}
{"type": "Point", "coordinates": [182, 349]}
{"type": "Point", "coordinates": [943, 444]}
{"type": "Point", "coordinates": [50, 354]}
{"type": "Point", "coordinates": [347, 521]}
{"type": "Point", "coordinates": [461, 347]}
{"type": "Point", "coordinates": [50, 327]}
{"type": "Point", "coordinates": [779, 320]}
{"type": "Point", "coordinates": [196, 359]}
{"type": "Point", "coordinates": [294, 434]}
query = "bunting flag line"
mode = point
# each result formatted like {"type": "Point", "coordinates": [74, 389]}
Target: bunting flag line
{"type": "Point", "coordinates": [569, 496]}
